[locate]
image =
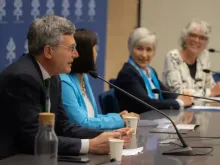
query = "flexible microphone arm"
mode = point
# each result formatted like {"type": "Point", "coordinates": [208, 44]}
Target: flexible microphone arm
{"type": "Point", "coordinates": [186, 151]}
{"type": "Point", "coordinates": [211, 50]}
{"type": "Point", "coordinates": [158, 91]}
{"type": "Point", "coordinates": [209, 71]}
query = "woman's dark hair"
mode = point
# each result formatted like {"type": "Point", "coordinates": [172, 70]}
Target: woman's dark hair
{"type": "Point", "coordinates": [85, 40]}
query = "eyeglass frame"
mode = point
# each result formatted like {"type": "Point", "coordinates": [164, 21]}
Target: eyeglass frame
{"type": "Point", "coordinates": [202, 38]}
{"type": "Point", "coordinates": [73, 48]}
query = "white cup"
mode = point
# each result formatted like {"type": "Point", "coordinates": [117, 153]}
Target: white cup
{"type": "Point", "coordinates": [131, 122]}
{"type": "Point", "coordinates": [116, 148]}
{"type": "Point", "coordinates": [133, 143]}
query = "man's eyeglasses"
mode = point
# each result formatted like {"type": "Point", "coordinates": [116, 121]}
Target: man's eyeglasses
{"type": "Point", "coordinates": [70, 49]}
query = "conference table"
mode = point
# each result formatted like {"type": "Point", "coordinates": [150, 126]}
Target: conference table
{"type": "Point", "coordinates": [152, 149]}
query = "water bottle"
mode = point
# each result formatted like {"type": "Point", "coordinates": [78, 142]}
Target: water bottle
{"type": "Point", "coordinates": [46, 141]}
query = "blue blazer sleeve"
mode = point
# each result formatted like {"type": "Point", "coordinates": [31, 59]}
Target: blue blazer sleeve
{"type": "Point", "coordinates": [77, 113]}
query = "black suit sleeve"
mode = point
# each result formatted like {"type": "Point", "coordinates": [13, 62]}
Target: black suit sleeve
{"type": "Point", "coordinates": [131, 82]}
{"type": "Point", "coordinates": [25, 96]}
{"type": "Point", "coordinates": [24, 107]}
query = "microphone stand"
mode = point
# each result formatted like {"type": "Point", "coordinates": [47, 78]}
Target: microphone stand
{"type": "Point", "coordinates": [211, 50]}
{"type": "Point", "coordinates": [209, 71]}
{"type": "Point", "coordinates": [198, 97]}
{"type": "Point", "coordinates": [184, 151]}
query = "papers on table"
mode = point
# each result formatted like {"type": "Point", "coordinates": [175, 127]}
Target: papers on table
{"type": "Point", "coordinates": [167, 141]}
{"type": "Point", "coordinates": [179, 126]}
{"type": "Point", "coordinates": [128, 152]}
{"type": "Point", "coordinates": [186, 126]}
{"type": "Point", "coordinates": [204, 108]}
{"type": "Point", "coordinates": [168, 128]}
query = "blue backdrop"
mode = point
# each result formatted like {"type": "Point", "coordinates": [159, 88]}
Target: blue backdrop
{"type": "Point", "coordinates": [16, 16]}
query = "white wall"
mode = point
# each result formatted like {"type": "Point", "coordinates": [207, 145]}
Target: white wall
{"type": "Point", "coordinates": [168, 17]}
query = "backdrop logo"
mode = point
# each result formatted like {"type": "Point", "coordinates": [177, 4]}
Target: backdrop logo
{"type": "Point", "coordinates": [18, 10]}
{"type": "Point", "coordinates": [65, 8]}
{"type": "Point", "coordinates": [11, 50]}
{"type": "Point", "coordinates": [35, 4]}
{"type": "Point", "coordinates": [78, 10]}
{"type": "Point", "coordinates": [50, 5]}
{"type": "Point", "coordinates": [2, 11]}
{"type": "Point", "coordinates": [91, 11]}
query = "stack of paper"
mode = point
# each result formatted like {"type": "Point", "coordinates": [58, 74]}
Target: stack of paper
{"type": "Point", "coordinates": [179, 126]}
{"type": "Point", "coordinates": [128, 152]}
{"type": "Point", "coordinates": [204, 108]}
{"type": "Point", "coordinates": [168, 128]}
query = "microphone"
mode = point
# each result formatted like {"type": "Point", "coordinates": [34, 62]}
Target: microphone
{"type": "Point", "coordinates": [211, 50]}
{"type": "Point", "coordinates": [184, 151]}
{"type": "Point", "coordinates": [209, 71]}
{"type": "Point", "coordinates": [158, 91]}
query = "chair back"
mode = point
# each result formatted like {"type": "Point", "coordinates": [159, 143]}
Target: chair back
{"type": "Point", "coordinates": [216, 77]}
{"type": "Point", "coordinates": [112, 81]}
{"type": "Point", "coordinates": [109, 102]}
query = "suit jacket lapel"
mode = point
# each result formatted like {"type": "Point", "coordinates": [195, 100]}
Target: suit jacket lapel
{"type": "Point", "coordinates": [36, 71]}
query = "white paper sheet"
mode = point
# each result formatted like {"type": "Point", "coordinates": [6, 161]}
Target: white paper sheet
{"type": "Point", "coordinates": [179, 126]}
{"type": "Point", "coordinates": [205, 108]}
{"type": "Point", "coordinates": [128, 152]}
{"type": "Point", "coordinates": [186, 126]}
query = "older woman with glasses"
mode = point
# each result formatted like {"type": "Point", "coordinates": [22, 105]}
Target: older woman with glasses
{"type": "Point", "coordinates": [183, 68]}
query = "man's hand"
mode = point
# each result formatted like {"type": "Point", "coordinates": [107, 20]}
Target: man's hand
{"type": "Point", "coordinates": [100, 144]}
{"type": "Point", "coordinates": [126, 134]}
{"type": "Point", "coordinates": [186, 100]}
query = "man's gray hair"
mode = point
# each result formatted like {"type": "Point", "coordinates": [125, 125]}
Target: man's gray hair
{"type": "Point", "coordinates": [201, 25]}
{"type": "Point", "coordinates": [47, 30]}
{"type": "Point", "coordinates": [139, 36]}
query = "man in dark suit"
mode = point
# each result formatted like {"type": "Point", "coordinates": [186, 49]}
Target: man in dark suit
{"type": "Point", "coordinates": [22, 93]}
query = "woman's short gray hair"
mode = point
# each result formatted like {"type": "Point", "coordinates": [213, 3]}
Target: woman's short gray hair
{"type": "Point", "coordinates": [139, 36]}
{"type": "Point", "coordinates": [201, 25]}
{"type": "Point", "coordinates": [47, 30]}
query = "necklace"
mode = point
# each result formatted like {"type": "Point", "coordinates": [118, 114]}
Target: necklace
{"type": "Point", "coordinates": [83, 88]}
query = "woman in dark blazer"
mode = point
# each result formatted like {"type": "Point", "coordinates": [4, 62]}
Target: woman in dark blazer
{"type": "Point", "coordinates": [139, 78]}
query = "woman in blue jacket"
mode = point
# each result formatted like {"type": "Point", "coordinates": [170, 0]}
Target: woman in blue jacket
{"type": "Point", "coordinates": [78, 99]}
